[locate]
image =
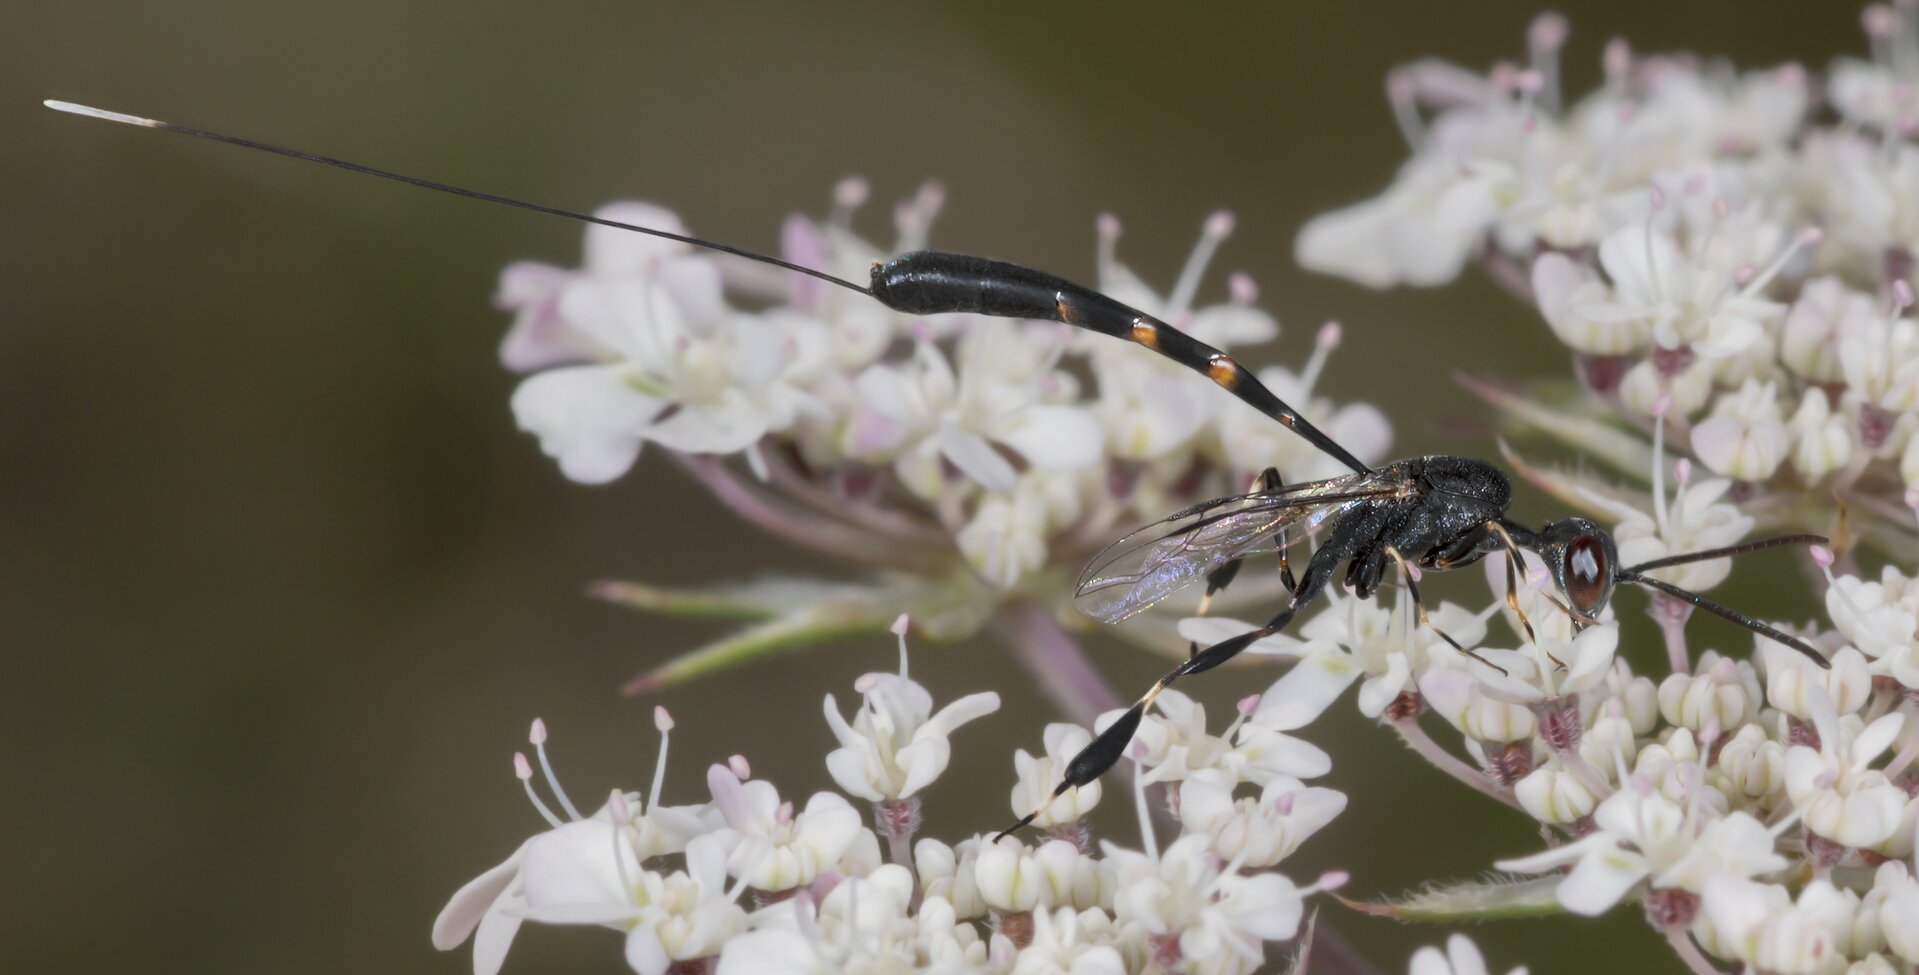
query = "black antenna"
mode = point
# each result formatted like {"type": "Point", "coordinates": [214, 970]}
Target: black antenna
{"type": "Point", "coordinates": [101, 113]}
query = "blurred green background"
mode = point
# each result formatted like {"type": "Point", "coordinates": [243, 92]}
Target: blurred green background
{"type": "Point", "coordinates": [280, 584]}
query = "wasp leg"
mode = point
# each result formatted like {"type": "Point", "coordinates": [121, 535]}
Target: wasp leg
{"type": "Point", "coordinates": [1513, 561]}
{"type": "Point", "coordinates": [1407, 573]}
{"type": "Point", "coordinates": [1269, 480]}
{"type": "Point", "coordinates": [1217, 581]}
{"type": "Point", "coordinates": [1105, 750]}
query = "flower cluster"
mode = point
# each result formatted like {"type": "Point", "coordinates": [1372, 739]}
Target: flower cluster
{"type": "Point", "coordinates": [986, 459]}
{"type": "Point", "coordinates": [1737, 243]}
{"type": "Point", "coordinates": [1727, 255]}
{"type": "Point", "coordinates": [1708, 794]}
{"type": "Point", "coordinates": [745, 882]}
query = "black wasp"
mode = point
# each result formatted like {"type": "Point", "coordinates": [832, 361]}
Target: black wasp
{"type": "Point", "coordinates": [1431, 513]}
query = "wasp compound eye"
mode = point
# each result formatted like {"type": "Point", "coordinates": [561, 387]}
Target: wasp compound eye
{"type": "Point", "coordinates": [1586, 573]}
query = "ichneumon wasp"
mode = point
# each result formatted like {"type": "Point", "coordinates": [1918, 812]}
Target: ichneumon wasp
{"type": "Point", "coordinates": [1425, 513]}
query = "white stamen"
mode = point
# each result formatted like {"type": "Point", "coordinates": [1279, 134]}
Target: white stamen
{"type": "Point", "coordinates": [737, 765]}
{"type": "Point", "coordinates": [1146, 838]}
{"type": "Point", "coordinates": [1402, 94]}
{"type": "Point", "coordinates": [538, 737]}
{"type": "Point", "coordinates": [1546, 36]}
{"type": "Point", "coordinates": [1806, 237]}
{"type": "Point", "coordinates": [616, 803]}
{"type": "Point", "coordinates": [1323, 345]}
{"type": "Point", "coordinates": [525, 773]}
{"type": "Point", "coordinates": [1218, 227]}
{"type": "Point", "coordinates": [1105, 256]}
{"type": "Point", "coordinates": [664, 722]}
{"type": "Point", "coordinates": [899, 629]}
{"type": "Point", "coordinates": [1617, 61]}
{"type": "Point", "coordinates": [848, 196]}
{"type": "Point", "coordinates": [1659, 410]}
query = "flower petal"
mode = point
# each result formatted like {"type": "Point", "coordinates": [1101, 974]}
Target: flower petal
{"type": "Point", "coordinates": [976, 458]}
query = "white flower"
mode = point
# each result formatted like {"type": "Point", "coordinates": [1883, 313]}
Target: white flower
{"type": "Point", "coordinates": [1177, 745]}
{"type": "Point", "coordinates": [1420, 231]}
{"type": "Point", "coordinates": [1800, 687]}
{"type": "Point", "coordinates": [1552, 795]}
{"type": "Point", "coordinates": [1461, 957]}
{"type": "Point", "coordinates": [490, 907]}
{"type": "Point", "coordinates": [770, 846]}
{"type": "Point", "coordinates": [1880, 363]}
{"type": "Point", "coordinates": [1642, 835]}
{"type": "Point", "coordinates": [542, 336]}
{"type": "Point", "coordinates": [1064, 943]}
{"type": "Point", "coordinates": [1255, 831]}
{"type": "Point", "coordinates": [862, 925]}
{"type": "Point", "coordinates": [1006, 539]}
{"type": "Point", "coordinates": [1821, 439]}
{"type": "Point", "coordinates": [1572, 300]}
{"type": "Point", "coordinates": [683, 372]}
{"type": "Point", "coordinates": [1745, 438]}
{"type": "Point", "coordinates": [1824, 316]}
{"type": "Point", "coordinates": [1013, 877]}
{"type": "Point", "coordinates": [1144, 413]}
{"type": "Point", "coordinates": [1551, 666]}
{"type": "Point", "coordinates": [1466, 704]}
{"type": "Point", "coordinates": [1644, 386]}
{"type": "Point", "coordinates": [1837, 794]}
{"type": "Point", "coordinates": [1715, 695]}
{"type": "Point", "coordinates": [1898, 897]}
{"type": "Point", "coordinates": [896, 745]}
{"type": "Point", "coordinates": [1349, 639]}
{"type": "Point", "coordinates": [1685, 300]}
{"type": "Point", "coordinates": [1760, 925]}
{"type": "Point", "coordinates": [586, 873]}
{"type": "Point", "coordinates": [947, 873]}
{"type": "Point", "coordinates": [1696, 520]}
{"type": "Point", "coordinates": [1750, 766]}
{"type": "Point", "coordinates": [996, 395]}
{"type": "Point", "coordinates": [1217, 919]}
{"type": "Point", "coordinates": [1881, 619]}
{"type": "Point", "coordinates": [1039, 776]}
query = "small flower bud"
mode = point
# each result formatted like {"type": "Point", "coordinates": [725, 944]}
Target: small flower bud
{"type": "Point", "coordinates": [1693, 702]}
{"type": "Point", "coordinates": [1009, 877]}
{"type": "Point", "coordinates": [1750, 766]}
{"type": "Point", "coordinates": [1553, 796]}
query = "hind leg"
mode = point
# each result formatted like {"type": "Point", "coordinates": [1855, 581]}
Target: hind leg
{"type": "Point", "coordinates": [1105, 750]}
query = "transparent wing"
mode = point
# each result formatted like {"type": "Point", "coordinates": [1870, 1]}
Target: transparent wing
{"type": "Point", "coordinates": [1175, 552]}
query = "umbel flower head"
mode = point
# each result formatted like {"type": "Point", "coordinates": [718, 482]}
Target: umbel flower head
{"type": "Point", "coordinates": [984, 461]}
{"type": "Point", "coordinates": [748, 882]}
{"type": "Point", "coordinates": [1726, 254]}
